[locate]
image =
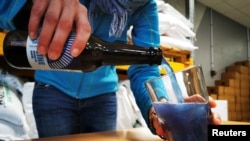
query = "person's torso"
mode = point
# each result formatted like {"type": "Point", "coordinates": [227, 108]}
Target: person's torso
{"type": "Point", "coordinates": [87, 84]}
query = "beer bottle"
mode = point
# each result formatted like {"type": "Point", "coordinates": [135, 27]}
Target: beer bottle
{"type": "Point", "coordinates": [21, 52]}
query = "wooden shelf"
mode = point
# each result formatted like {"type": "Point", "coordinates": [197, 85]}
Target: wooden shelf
{"type": "Point", "coordinates": [176, 55]}
{"type": "Point", "coordinates": [177, 58]}
{"type": "Point", "coordinates": [125, 68]}
{"type": "Point", "coordinates": [2, 35]}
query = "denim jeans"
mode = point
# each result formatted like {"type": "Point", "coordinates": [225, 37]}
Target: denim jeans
{"type": "Point", "coordinates": [57, 113]}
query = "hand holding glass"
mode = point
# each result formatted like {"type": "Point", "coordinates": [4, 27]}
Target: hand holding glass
{"type": "Point", "coordinates": [184, 114]}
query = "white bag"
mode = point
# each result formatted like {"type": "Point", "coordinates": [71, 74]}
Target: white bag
{"type": "Point", "coordinates": [28, 108]}
{"type": "Point", "coordinates": [10, 131]}
{"type": "Point", "coordinates": [12, 81]}
{"type": "Point", "coordinates": [11, 112]}
{"type": "Point", "coordinates": [129, 115]}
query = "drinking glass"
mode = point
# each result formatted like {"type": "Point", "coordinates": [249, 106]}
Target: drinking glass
{"type": "Point", "coordinates": [180, 101]}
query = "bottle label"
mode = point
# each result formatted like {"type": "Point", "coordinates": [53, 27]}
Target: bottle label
{"type": "Point", "coordinates": [65, 61]}
{"type": "Point", "coordinates": [35, 59]}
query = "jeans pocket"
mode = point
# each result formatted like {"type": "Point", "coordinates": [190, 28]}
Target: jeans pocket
{"type": "Point", "coordinates": [41, 85]}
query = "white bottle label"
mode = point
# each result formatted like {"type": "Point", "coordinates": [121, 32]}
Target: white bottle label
{"type": "Point", "coordinates": [64, 62]}
{"type": "Point", "coordinates": [35, 59]}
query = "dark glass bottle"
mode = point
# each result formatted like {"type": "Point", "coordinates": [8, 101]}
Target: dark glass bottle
{"type": "Point", "coordinates": [20, 52]}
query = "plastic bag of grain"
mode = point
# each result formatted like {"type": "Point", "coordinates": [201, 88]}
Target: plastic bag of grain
{"type": "Point", "coordinates": [12, 114]}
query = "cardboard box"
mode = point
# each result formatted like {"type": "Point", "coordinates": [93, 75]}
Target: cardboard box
{"type": "Point", "coordinates": [229, 90]}
{"type": "Point", "coordinates": [244, 92]}
{"type": "Point", "coordinates": [237, 68]}
{"type": "Point", "coordinates": [245, 116]}
{"type": "Point", "coordinates": [229, 98]}
{"type": "Point", "coordinates": [238, 99]}
{"type": "Point", "coordinates": [238, 116]}
{"type": "Point", "coordinates": [230, 75]}
{"type": "Point", "coordinates": [238, 107]}
{"type": "Point", "coordinates": [237, 91]}
{"type": "Point", "coordinates": [232, 116]}
{"type": "Point", "coordinates": [236, 83]}
{"type": "Point", "coordinates": [220, 90]}
{"type": "Point", "coordinates": [245, 100]}
{"type": "Point", "coordinates": [214, 96]}
{"type": "Point", "coordinates": [231, 106]}
{"type": "Point", "coordinates": [244, 77]}
{"type": "Point", "coordinates": [244, 84]}
{"type": "Point", "coordinates": [243, 63]}
{"type": "Point", "coordinates": [245, 107]}
{"type": "Point", "coordinates": [226, 82]}
{"type": "Point", "coordinates": [215, 89]}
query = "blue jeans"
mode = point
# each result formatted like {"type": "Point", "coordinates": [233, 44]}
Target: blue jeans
{"type": "Point", "coordinates": [56, 113]}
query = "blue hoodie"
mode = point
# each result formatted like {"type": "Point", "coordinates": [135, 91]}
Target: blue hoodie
{"type": "Point", "coordinates": [8, 10]}
{"type": "Point", "coordinates": [104, 79]}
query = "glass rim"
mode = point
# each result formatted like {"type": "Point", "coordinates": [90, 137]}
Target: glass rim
{"type": "Point", "coordinates": [179, 71]}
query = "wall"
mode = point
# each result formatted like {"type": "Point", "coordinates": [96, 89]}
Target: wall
{"type": "Point", "coordinates": [229, 40]}
{"type": "Point", "coordinates": [229, 44]}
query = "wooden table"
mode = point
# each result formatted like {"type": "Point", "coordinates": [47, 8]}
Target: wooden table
{"type": "Point", "coordinates": [235, 123]}
{"type": "Point", "coordinates": [135, 134]}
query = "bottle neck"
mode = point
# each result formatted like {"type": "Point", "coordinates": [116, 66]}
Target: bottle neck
{"type": "Point", "coordinates": [98, 53]}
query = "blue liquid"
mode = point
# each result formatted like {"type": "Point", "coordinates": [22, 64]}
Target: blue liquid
{"type": "Point", "coordinates": [186, 121]}
{"type": "Point", "coordinates": [173, 79]}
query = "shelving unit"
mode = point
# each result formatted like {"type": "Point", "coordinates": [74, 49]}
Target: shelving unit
{"type": "Point", "coordinates": [2, 35]}
{"type": "Point", "coordinates": [176, 55]}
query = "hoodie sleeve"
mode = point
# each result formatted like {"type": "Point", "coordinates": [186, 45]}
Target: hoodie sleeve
{"type": "Point", "coordinates": [8, 10]}
{"type": "Point", "coordinates": [145, 33]}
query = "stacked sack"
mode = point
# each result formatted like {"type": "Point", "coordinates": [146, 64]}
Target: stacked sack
{"type": "Point", "coordinates": [175, 29]}
{"type": "Point", "coordinates": [13, 125]}
{"type": "Point", "coordinates": [13, 121]}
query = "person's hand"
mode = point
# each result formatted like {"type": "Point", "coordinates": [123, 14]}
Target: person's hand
{"type": "Point", "coordinates": [157, 125]}
{"type": "Point", "coordinates": [58, 19]}
{"type": "Point", "coordinates": [215, 117]}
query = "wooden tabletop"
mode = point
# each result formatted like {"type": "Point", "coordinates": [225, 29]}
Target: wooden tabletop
{"type": "Point", "coordinates": [135, 134]}
{"type": "Point", "coordinates": [235, 123]}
